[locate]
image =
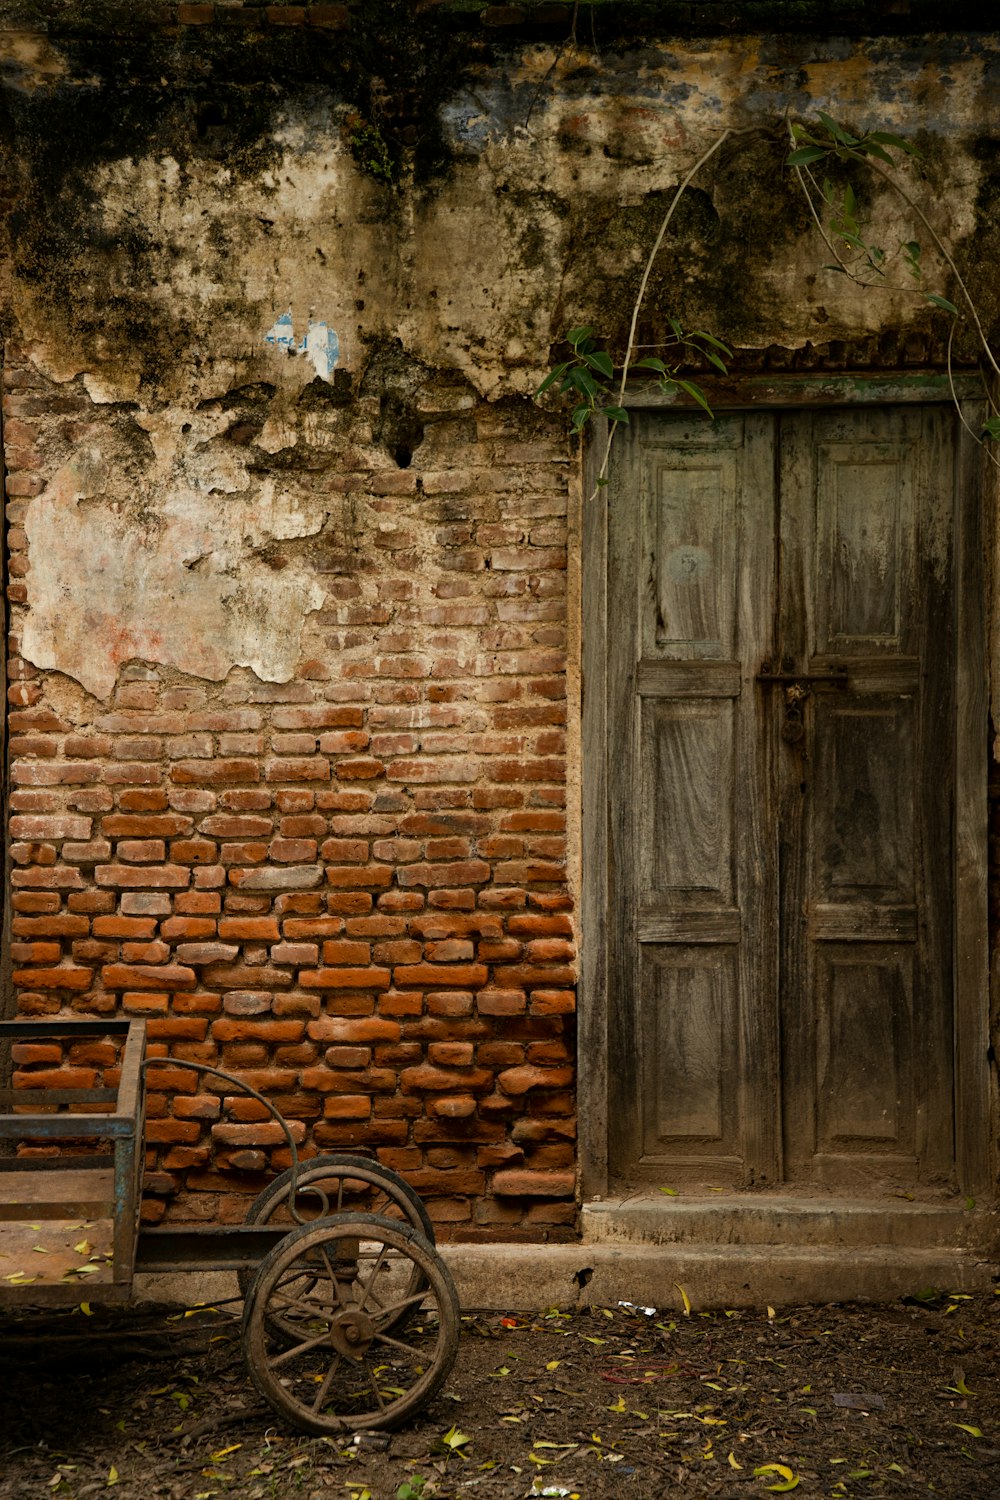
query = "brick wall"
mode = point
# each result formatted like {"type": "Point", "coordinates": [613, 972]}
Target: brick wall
{"type": "Point", "coordinates": [349, 888]}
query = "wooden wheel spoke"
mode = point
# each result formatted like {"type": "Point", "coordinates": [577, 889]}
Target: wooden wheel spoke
{"type": "Point", "coordinates": [376, 1267]}
{"type": "Point", "coordinates": [336, 1282]}
{"type": "Point", "coordinates": [300, 1348]}
{"type": "Point", "coordinates": [373, 1382]}
{"type": "Point", "coordinates": [390, 1309]}
{"type": "Point", "coordinates": [324, 1389]}
{"type": "Point", "coordinates": [410, 1349]}
{"type": "Point", "coordinates": [305, 1301]}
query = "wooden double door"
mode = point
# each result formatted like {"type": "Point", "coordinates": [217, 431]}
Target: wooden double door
{"type": "Point", "coordinates": [781, 765]}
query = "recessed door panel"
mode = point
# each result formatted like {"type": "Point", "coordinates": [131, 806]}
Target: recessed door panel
{"type": "Point", "coordinates": [687, 764]}
{"type": "Point", "coordinates": [690, 1086]}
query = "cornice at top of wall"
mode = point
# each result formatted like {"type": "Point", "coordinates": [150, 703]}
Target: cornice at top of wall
{"type": "Point", "coordinates": [548, 20]}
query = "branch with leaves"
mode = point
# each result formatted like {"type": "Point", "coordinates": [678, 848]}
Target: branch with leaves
{"type": "Point", "coordinates": [866, 263]}
{"type": "Point", "coordinates": [587, 377]}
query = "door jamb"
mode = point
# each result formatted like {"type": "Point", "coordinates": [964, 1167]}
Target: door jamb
{"type": "Point", "coordinates": [975, 1152]}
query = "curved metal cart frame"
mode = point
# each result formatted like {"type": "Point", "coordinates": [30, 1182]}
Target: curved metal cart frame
{"type": "Point", "coordinates": [350, 1318]}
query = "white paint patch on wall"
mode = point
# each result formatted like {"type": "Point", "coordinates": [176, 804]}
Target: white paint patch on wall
{"type": "Point", "coordinates": [319, 343]}
{"type": "Point", "coordinates": [184, 573]}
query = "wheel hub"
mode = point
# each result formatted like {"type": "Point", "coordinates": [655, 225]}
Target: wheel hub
{"type": "Point", "coordinates": [352, 1332]}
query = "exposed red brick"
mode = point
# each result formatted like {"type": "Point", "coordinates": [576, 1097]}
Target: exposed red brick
{"type": "Point", "coordinates": [131, 976]}
{"type": "Point", "coordinates": [214, 772]}
{"type": "Point", "coordinates": [68, 978]}
{"type": "Point", "coordinates": [519, 1182]}
{"type": "Point", "coordinates": [344, 978]}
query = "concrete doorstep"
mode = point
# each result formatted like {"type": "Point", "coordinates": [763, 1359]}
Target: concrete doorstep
{"type": "Point", "coordinates": [752, 1251]}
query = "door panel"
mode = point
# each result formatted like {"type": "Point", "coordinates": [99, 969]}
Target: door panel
{"type": "Point", "coordinates": [691, 556]}
{"type": "Point", "coordinates": [865, 501]}
{"type": "Point", "coordinates": [780, 709]}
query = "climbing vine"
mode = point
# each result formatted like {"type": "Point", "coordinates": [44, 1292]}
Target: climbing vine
{"type": "Point", "coordinates": [591, 384]}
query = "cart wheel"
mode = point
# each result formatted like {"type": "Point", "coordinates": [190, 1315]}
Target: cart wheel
{"type": "Point", "coordinates": [321, 1324]}
{"type": "Point", "coordinates": [336, 1184]}
{"type": "Point", "coordinates": [340, 1182]}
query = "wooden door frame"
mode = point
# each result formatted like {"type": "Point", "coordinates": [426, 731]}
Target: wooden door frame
{"type": "Point", "coordinates": [975, 1146]}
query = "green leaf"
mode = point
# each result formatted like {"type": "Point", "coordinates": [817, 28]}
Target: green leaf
{"type": "Point", "coordinates": [675, 325]}
{"type": "Point", "coordinates": [615, 413]}
{"type": "Point", "coordinates": [551, 378]}
{"type": "Point", "coordinates": [911, 248]}
{"type": "Point", "coordinates": [694, 391]}
{"type": "Point", "coordinates": [600, 361]}
{"type": "Point", "coordinates": [804, 156]}
{"type": "Point", "coordinates": [841, 269]}
{"type": "Point", "coordinates": [581, 416]}
{"type": "Point", "coordinates": [886, 138]}
{"type": "Point", "coordinates": [871, 150]}
{"type": "Point", "coordinates": [578, 336]}
{"type": "Point", "coordinates": [788, 1479]}
{"type": "Point", "coordinates": [715, 360]}
{"type": "Point", "coordinates": [715, 343]}
{"type": "Point", "coordinates": [837, 131]}
{"type": "Point", "coordinates": [942, 302]}
{"type": "Point", "coordinates": [650, 362]}
{"type": "Point", "coordinates": [582, 380]}
{"type": "Point", "coordinates": [991, 427]}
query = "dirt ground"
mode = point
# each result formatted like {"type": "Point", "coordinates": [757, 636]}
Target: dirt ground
{"type": "Point", "coordinates": [607, 1404]}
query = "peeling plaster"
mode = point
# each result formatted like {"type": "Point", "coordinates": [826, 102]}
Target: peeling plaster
{"type": "Point", "coordinates": [181, 575]}
{"type": "Point", "coordinates": [192, 279]}
{"type": "Point", "coordinates": [482, 272]}
{"type": "Point", "coordinates": [319, 343]}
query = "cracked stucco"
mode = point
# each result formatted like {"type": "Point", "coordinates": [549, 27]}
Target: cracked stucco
{"type": "Point", "coordinates": [538, 225]}
{"type": "Point", "coordinates": [173, 576]}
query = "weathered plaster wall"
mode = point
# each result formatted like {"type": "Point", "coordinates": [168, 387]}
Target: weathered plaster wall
{"type": "Point", "coordinates": [288, 539]}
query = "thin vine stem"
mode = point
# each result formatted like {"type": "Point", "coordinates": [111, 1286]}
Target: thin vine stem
{"type": "Point", "coordinates": [647, 272]}
{"type": "Point", "coordinates": [958, 405]}
{"type": "Point", "coordinates": [942, 248]}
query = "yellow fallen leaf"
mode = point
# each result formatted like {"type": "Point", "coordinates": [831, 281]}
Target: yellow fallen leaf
{"type": "Point", "coordinates": [684, 1298]}
{"type": "Point", "coordinates": [112, 1475]}
{"type": "Point", "coordinates": [771, 1313]}
{"type": "Point", "coordinates": [553, 1364]}
{"type": "Point", "coordinates": [789, 1479]}
{"type": "Point", "coordinates": [83, 1248]}
{"type": "Point", "coordinates": [223, 1453]}
{"type": "Point", "coordinates": [618, 1405]}
{"type": "Point", "coordinates": [972, 1431]}
{"type": "Point", "coordinates": [18, 1278]}
{"type": "Point", "coordinates": [86, 1309]}
{"type": "Point", "coordinates": [733, 1464]}
{"type": "Point", "coordinates": [41, 1250]}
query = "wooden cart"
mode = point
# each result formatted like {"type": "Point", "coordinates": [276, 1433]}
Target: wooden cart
{"type": "Point", "coordinates": [350, 1317]}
